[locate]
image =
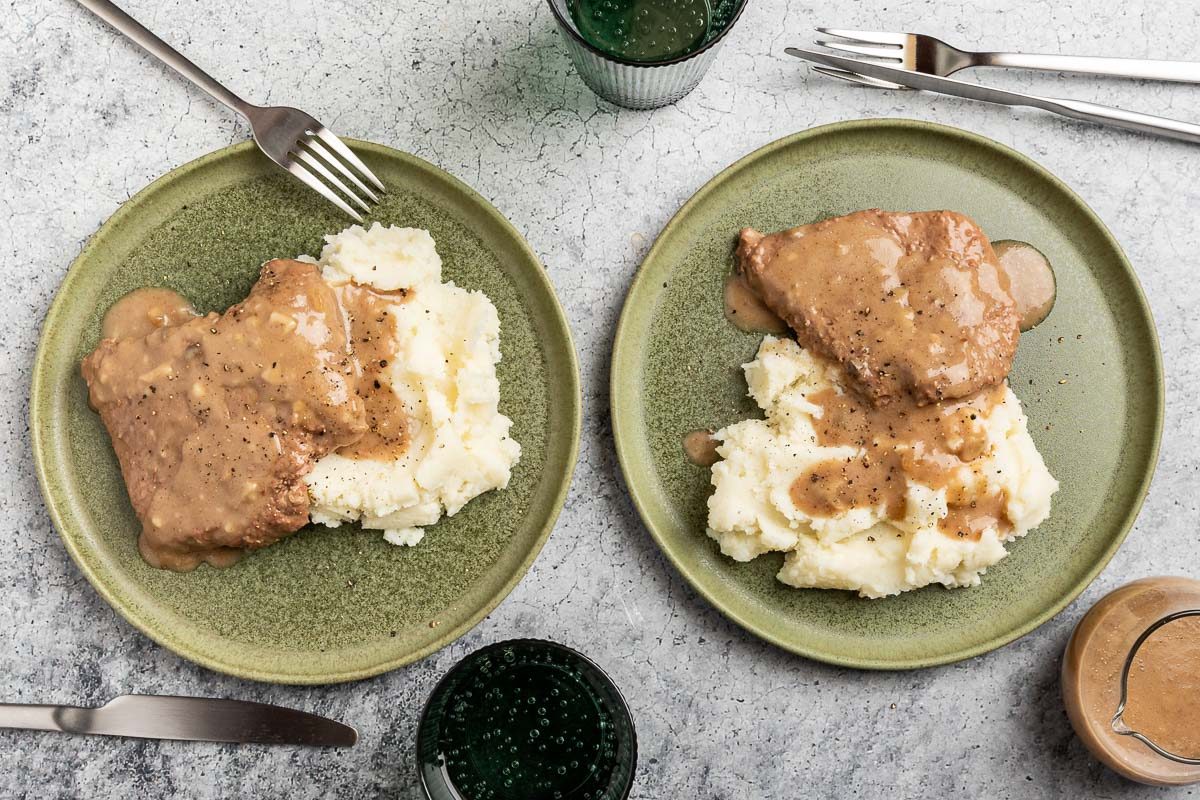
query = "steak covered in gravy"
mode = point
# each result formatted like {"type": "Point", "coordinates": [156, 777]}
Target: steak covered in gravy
{"type": "Point", "coordinates": [216, 419]}
{"type": "Point", "coordinates": [911, 304]}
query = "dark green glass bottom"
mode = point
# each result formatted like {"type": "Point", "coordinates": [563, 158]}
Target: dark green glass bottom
{"type": "Point", "coordinates": [526, 720]}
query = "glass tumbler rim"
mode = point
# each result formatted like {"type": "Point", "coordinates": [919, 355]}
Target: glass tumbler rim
{"type": "Point", "coordinates": [569, 26]}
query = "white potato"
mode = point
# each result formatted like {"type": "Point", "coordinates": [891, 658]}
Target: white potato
{"type": "Point", "coordinates": [751, 511]}
{"type": "Point", "coordinates": [444, 372]}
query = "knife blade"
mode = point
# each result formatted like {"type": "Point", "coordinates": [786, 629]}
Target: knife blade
{"type": "Point", "coordinates": [187, 718]}
{"type": "Point", "coordinates": [1075, 109]}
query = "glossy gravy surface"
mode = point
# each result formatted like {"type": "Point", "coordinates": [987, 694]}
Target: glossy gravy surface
{"type": "Point", "coordinates": [373, 339]}
{"type": "Point", "coordinates": [1030, 281]}
{"type": "Point", "coordinates": [911, 304]}
{"type": "Point", "coordinates": [216, 419]}
{"type": "Point", "coordinates": [701, 448]}
{"type": "Point", "coordinates": [933, 444]}
{"type": "Point", "coordinates": [746, 311]}
{"type": "Point", "coordinates": [143, 311]}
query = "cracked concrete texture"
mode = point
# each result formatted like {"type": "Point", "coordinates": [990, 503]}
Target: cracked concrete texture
{"type": "Point", "coordinates": [486, 91]}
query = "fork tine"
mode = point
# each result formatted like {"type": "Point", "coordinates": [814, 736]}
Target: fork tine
{"type": "Point", "coordinates": [331, 160]}
{"type": "Point", "coordinates": [345, 152]}
{"type": "Point", "coordinates": [303, 174]}
{"type": "Point", "coordinates": [854, 77]}
{"type": "Point", "coordinates": [881, 53]}
{"type": "Point", "coordinates": [313, 163]}
{"type": "Point", "coordinates": [867, 37]}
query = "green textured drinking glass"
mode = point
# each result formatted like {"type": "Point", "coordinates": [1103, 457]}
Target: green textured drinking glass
{"type": "Point", "coordinates": [526, 720]}
{"type": "Point", "coordinates": [631, 76]}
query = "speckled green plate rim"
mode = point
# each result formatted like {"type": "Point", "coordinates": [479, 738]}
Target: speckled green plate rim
{"type": "Point", "coordinates": [47, 458]}
{"type": "Point", "coordinates": [627, 411]}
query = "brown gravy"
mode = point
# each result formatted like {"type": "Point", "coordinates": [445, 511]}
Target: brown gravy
{"type": "Point", "coordinates": [144, 311]}
{"type": "Point", "coordinates": [920, 313]}
{"type": "Point", "coordinates": [911, 304]}
{"type": "Point", "coordinates": [1163, 693]}
{"type": "Point", "coordinates": [216, 419]}
{"type": "Point", "coordinates": [902, 441]}
{"type": "Point", "coordinates": [1030, 280]}
{"type": "Point", "coordinates": [746, 311]}
{"type": "Point", "coordinates": [700, 447]}
{"type": "Point", "coordinates": [373, 338]}
{"type": "Point", "coordinates": [1163, 701]}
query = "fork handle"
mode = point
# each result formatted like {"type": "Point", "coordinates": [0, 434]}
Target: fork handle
{"type": "Point", "coordinates": [1146, 69]}
{"type": "Point", "coordinates": [144, 38]}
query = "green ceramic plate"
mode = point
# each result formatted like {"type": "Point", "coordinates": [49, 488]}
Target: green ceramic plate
{"type": "Point", "coordinates": [324, 605]}
{"type": "Point", "coordinates": [1090, 378]}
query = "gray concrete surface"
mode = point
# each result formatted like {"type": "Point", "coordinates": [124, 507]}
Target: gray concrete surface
{"type": "Point", "coordinates": [485, 90]}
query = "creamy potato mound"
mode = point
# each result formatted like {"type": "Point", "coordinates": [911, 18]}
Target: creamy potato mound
{"type": "Point", "coordinates": [752, 512]}
{"type": "Point", "coordinates": [444, 372]}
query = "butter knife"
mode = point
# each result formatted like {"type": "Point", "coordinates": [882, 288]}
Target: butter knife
{"type": "Point", "coordinates": [1075, 109]}
{"type": "Point", "coordinates": [190, 718]}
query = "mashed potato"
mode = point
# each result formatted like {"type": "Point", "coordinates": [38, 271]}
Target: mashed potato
{"type": "Point", "coordinates": [444, 372]}
{"type": "Point", "coordinates": [752, 511]}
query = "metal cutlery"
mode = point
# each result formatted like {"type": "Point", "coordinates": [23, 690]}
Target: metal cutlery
{"type": "Point", "coordinates": [288, 136]}
{"type": "Point", "coordinates": [877, 75]}
{"type": "Point", "coordinates": [190, 718]}
{"type": "Point", "coordinates": [920, 53]}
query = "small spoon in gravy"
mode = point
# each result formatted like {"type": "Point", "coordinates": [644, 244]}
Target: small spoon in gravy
{"type": "Point", "coordinates": [1129, 680]}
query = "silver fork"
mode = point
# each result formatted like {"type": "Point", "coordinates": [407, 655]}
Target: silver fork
{"type": "Point", "coordinates": [917, 52]}
{"type": "Point", "coordinates": [288, 136]}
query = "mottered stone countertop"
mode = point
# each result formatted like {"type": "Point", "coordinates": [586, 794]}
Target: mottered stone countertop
{"type": "Point", "coordinates": [486, 91]}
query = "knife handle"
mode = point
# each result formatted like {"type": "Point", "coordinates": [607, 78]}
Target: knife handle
{"type": "Point", "coordinates": [30, 717]}
{"type": "Point", "coordinates": [1131, 120]}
